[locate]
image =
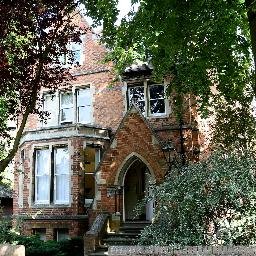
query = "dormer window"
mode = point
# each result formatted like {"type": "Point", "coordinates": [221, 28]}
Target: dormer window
{"type": "Point", "coordinates": [156, 99]}
{"type": "Point", "coordinates": [149, 98]}
{"type": "Point", "coordinates": [136, 95]}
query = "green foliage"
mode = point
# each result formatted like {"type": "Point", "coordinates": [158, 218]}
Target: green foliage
{"type": "Point", "coordinates": [199, 43]}
{"type": "Point", "coordinates": [6, 235]}
{"type": "Point", "coordinates": [233, 125]}
{"type": "Point", "coordinates": [211, 202]}
{"type": "Point", "coordinates": [36, 247]}
{"type": "Point", "coordinates": [33, 36]}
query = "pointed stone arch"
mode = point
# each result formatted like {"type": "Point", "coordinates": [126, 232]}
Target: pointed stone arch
{"type": "Point", "coordinates": [124, 167]}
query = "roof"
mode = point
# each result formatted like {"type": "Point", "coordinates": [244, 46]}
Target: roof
{"type": "Point", "coordinates": [135, 70]}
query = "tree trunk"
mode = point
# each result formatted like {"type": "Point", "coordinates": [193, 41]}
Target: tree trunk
{"type": "Point", "coordinates": [251, 14]}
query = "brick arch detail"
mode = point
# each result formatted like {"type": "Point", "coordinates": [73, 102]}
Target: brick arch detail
{"type": "Point", "coordinates": [125, 166]}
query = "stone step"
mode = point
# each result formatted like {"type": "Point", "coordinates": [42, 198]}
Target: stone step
{"type": "Point", "coordinates": [100, 252]}
{"type": "Point", "coordinates": [128, 235]}
{"type": "Point", "coordinates": [123, 234]}
{"type": "Point", "coordinates": [120, 241]}
{"type": "Point", "coordinates": [136, 222]}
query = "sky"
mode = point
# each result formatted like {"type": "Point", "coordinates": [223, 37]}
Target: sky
{"type": "Point", "coordinates": [124, 7]}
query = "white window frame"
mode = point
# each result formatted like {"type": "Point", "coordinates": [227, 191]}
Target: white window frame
{"type": "Point", "coordinates": [65, 56]}
{"type": "Point", "coordinates": [55, 118]}
{"type": "Point", "coordinates": [52, 177]}
{"type": "Point", "coordinates": [49, 177]}
{"type": "Point", "coordinates": [89, 104]}
{"type": "Point", "coordinates": [147, 98]}
{"type": "Point", "coordinates": [61, 174]}
{"type": "Point", "coordinates": [69, 106]}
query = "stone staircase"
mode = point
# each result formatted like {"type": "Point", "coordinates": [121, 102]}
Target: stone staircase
{"type": "Point", "coordinates": [128, 234]}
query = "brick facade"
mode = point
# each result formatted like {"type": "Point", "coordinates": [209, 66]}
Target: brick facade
{"type": "Point", "coordinates": [123, 136]}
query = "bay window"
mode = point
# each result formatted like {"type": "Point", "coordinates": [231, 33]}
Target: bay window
{"type": "Point", "coordinates": [50, 105]}
{"type": "Point", "coordinates": [61, 175]}
{"type": "Point", "coordinates": [42, 176]}
{"type": "Point", "coordinates": [52, 176]}
{"type": "Point", "coordinates": [67, 107]}
{"type": "Point", "coordinates": [84, 110]}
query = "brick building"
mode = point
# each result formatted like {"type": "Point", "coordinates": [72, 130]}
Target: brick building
{"type": "Point", "coordinates": [99, 149]}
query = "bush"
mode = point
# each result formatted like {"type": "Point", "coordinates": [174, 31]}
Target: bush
{"type": "Point", "coordinates": [36, 247]}
{"type": "Point", "coordinates": [210, 202]}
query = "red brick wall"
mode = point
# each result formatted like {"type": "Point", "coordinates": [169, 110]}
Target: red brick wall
{"type": "Point", "coordinates": [134, 136]}
{"type": "Point", "coordinates": [76, 227]}
{"type": "Point", "coordinates": [77, 182]}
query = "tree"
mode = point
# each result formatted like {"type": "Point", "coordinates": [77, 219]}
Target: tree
{"type": "Point", "coordinates": [33, 36]}
{"type": "Point", "coordinates": [199, 43]}
{"type": "Point", "coordinates": [210, 202]}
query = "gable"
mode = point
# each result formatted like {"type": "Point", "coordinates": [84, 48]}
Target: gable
{"type": "Point", "coordinates": [133, 137]}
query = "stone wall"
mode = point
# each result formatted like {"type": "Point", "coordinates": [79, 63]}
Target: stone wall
{"type": "Point", "coordinates": [12, 250]}
{"type": "Point", "coordinates": [188, 250]}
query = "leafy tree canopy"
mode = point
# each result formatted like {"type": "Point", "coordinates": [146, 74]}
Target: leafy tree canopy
{"type": "Point", "coordinates": [33, 36]}
{"type": "Point", "coordinates": [199, 43]}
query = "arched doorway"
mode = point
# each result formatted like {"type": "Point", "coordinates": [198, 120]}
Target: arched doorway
{"type": "Point", "coordinates": [136, 187]}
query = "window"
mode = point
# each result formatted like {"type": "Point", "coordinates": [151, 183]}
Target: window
{"type": "Point", "coordinates": [91, 160]}
{"type": "Point", "coordinates": [41, 232]}
{"type": "Point", "coordinates": [61, 175]}
{"type": "Point", "coordinates": [42, 176]}
{"type": "Point", "coordinates": [52, 180]}
{"type": "Point", "coordinates": [68, 107]}
{"type": "Point", "coordinates": [84, 110]}
{"type": "Point", "coordinates": [137, 96]}
{"type": "Point", "coordinates": [156, 100]}
{"type": "Point", "coordinates": [50, 105]}
{"type": "Point", "coordinates": [150, 99]}
{"type": "Point", "coordinates": [77, 50]}
{"type": "Point", "coordinates": [61, 234]}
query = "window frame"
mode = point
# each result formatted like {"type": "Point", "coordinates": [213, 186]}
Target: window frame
{"type": "Point", "coordinates": [55, 201]}
{"type": "Point", "coordinates": [55, 117]}
{"type": "Point", "coordinates": [71, 106]}
{"type": "Point", "coordinates": [52, 182]}
{"type": "Point", "coordinates": [90, 104]}
{"type": "Point", "coordinates": [149, 100]}
{"type": "Point", "coordinates": [40, 232]}
{"type": "Point", "coordinates": [36, 180]}
{"type": "Point", "coordinates": [145, 97]}
{"type": "Point", "coordinates": [146, 85]}
{"type": "Point", "coordinates": [64, 58]}
{"type": "Point", "coordinates": [57, 232]}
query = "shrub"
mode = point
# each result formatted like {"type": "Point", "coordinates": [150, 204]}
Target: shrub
{"type": "Point", "coordinates": [210, 202]}
{"type": "Point", "coordinates": [36, 247]}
